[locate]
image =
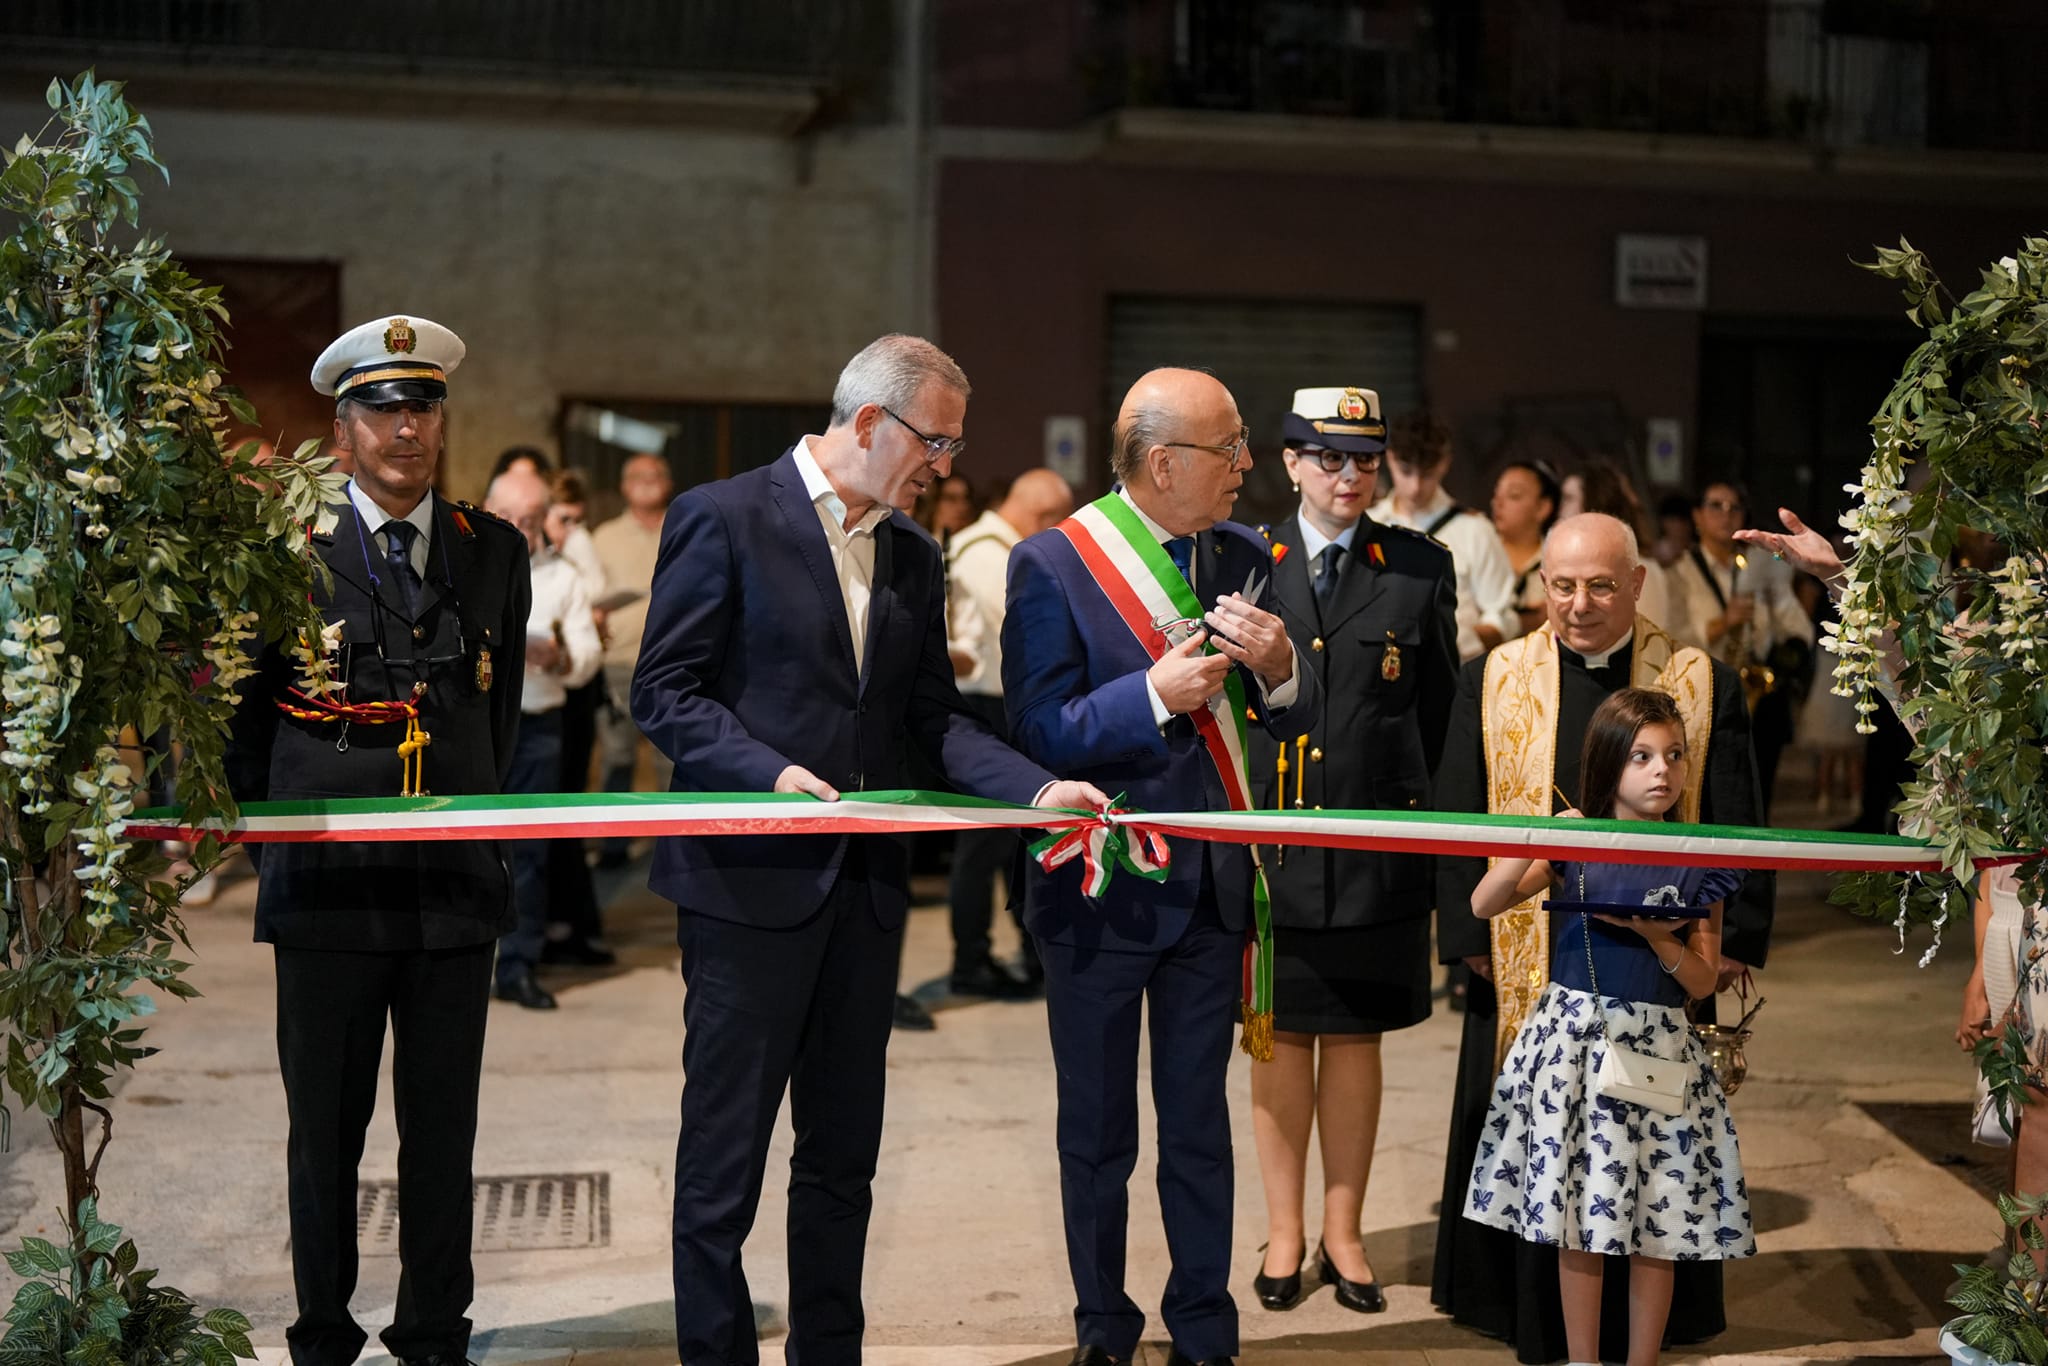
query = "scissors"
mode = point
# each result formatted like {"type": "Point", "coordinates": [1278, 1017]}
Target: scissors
{"type": "Point", "coordinates": [1254, 587]}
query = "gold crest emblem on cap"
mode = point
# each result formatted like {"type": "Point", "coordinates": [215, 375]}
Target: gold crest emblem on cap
{"type": "Point", "coordinates": [1352, 405]}
{"type": "Point", "coordinates": [399, 338]}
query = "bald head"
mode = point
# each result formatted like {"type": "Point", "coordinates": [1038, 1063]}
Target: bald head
{"type": "Point", "coordinates": [1178, 448]}
{"type": "Point", "coordinates": [1037, 500]}
{"type": "Point", "coordinates": [1592, 576]}
{"type": "Point", "coordinates": [521, 497]}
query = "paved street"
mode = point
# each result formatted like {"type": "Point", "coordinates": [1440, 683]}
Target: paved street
{"type": "Point", "coordinates": [1858, 1227]}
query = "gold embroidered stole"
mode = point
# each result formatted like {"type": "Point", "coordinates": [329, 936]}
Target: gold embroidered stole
{"type": "Point", "coordinates": [1518, 718]}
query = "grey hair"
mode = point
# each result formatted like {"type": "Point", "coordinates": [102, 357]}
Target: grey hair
{"type": "Point", "coordinates": [891, 371]}
{"type": "Point", "coordinates": [1628, 535]}
{"type": "Point", "coordinates": [1135, 433]}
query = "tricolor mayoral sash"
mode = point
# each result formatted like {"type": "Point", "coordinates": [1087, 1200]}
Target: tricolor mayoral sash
{"type": "Point", "coordinates": [1144, 587]}
{"type": "Point", "coordinates": [1518, 713]}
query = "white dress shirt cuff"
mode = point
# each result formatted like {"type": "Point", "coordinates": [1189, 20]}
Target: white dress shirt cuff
{"type": "Point", "coordinates": [1160, 715]}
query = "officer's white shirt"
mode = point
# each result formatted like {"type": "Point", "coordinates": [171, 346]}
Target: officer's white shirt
{"type": "Point", "coordinates": [374, 518]}
{"type": "Point", "coordinates": [1778, 615]}
{"type": "Point", "coordinates": [559, 598]}
{"type": "Point", "coordinates": [1280, 698]}
{"type": "Point", "coordinates": [1314, 543]}
{"type": "Point", "coordinates": [1486, 581]}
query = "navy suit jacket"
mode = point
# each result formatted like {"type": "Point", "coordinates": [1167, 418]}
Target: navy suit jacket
{"type": "Point", "coordinates": [1074, 685]}
{"type": "Point", "coordinates": [746, 667]}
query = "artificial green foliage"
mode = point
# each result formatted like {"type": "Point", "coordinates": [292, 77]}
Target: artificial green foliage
{"type": "Point", "coordinates": [2005, 1307]}
{"type": "Point", "coordinates": [88, 1304]}
{"type": "Point", "coordinates": [141, 560]}
{"type": "Point", "coordinates": [1958, 449]}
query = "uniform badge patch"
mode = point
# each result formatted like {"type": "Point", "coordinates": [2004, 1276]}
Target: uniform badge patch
{"type": "Point", "coordinates": [399, 338]}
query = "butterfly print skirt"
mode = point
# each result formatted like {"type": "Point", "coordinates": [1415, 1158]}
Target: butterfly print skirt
{"type": "Point", "coordinates": [1561, 1165]}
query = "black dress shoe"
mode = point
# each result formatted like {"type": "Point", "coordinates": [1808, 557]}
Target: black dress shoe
{"type": "Point", "coordinates": [1361, 1297]}
{"type": "Point", "coordinates": [1279, 1293]}
{"type": "Point", "coordinates": [577, 953]}
{"type": "Point", "coordinates": [522, 989]}
{"type": "Point", "coordinates": [1095, 1356]}
{"type": "Point", "coordinates": [911, 1015]}
{"type": "Point", "coordinates": [1176, 1357]}
{"type": "Point", "coordinates": [438, 1359]}
{"type": "Point", "coordinates": [990, 979]}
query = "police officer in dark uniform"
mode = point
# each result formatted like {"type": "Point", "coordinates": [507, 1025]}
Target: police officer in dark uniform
{"type": "Point", "coordinates": [415, 687]}
{"type": "Point", "coordinates": [1373, 609]}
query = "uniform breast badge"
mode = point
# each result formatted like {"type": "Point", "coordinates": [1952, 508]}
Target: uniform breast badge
{"type": "Point", "coordinates": [1390, 662]}
{"type": "Point", "coordinates": [483, 668]}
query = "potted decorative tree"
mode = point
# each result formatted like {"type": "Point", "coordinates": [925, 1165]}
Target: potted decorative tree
{"type": "Point", "coordinates": [139, 558]}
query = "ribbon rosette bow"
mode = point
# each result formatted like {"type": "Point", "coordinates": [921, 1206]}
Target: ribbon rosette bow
{"type": "Point", "coordinates": [1103, 846]}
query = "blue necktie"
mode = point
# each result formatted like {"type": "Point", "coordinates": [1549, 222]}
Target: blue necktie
{"type": "Point", "coordinates": [398, 536]}
{"type": "Point", "coordinates": [1181, 549]}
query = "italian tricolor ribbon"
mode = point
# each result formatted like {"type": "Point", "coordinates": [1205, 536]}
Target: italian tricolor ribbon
{"type": "Point", "coordinates": [1148, 593]}
{"type": "Point", "coordinates": [1103, 846]}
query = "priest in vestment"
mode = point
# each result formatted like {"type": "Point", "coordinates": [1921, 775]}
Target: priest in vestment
{"type": "Point", "coordinates": [1516, 729]}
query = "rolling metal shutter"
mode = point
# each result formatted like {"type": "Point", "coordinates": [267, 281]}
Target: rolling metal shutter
{"type": "Point", "coordinates": [1264, 350]}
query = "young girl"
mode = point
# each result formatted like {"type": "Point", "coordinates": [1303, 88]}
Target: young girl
{"type": "Point", "coordinates": [1593, 1175]}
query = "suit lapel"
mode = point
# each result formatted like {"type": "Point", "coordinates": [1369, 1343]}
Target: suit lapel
{"type": "Point", "coordinates": [1292, 587]}
{"type": "Point", "coordinates": [345, 550]}
{"type": "Point", "coordinates": [881, 595]}
{"type": "Point", "coordinates": [440, 550]}
{"type": "Point", "coordinates": [809, 538]}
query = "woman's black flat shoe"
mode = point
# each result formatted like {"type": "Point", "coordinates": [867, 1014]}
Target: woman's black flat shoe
{"type": "Point", "coordinates": [1361, 1297]}
{"type": "Point", "coordinates": [1279, 1293]}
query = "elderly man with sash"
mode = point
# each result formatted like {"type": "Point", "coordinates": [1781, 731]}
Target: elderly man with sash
{"type": "Point", "coordinates": [1133, 645]}
{"type": "Point", "coordinates": [1513, 745]}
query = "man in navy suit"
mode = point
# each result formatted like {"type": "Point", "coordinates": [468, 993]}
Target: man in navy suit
{"type": "Point", "coordinates": [1094, 688]}
{"type": "Point", "coordinates": [796, 636]}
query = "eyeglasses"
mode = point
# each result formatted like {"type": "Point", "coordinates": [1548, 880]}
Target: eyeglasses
{"type": "Point", "coordinates": [1333, 462]}
{"type": "Point", "coordinates": [1237, 452]}
{"type": "Point", "coordinates": [1599, 590]}
{"type": "Point", "coordinates": [936, 448]}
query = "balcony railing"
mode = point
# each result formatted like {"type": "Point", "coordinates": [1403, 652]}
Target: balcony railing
{"type": "Point", "coordinates": [1885, 73]}
{"type": "Point", "coordinates": [826, 43]}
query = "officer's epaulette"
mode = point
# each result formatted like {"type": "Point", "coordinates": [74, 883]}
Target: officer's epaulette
{"type": "Point", "coordinates": [467, 516]}
{"type": "Point", "coordinates": [1422, 536]}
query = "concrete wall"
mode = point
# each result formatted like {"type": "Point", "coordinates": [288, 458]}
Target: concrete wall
{"type": "Point", "coordinates": [575, 258]}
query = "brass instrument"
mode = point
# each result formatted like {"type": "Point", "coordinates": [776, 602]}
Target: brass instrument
{"type": "Point", "coordinates": [1758, 678]}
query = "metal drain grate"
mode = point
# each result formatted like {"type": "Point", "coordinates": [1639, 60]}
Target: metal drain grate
{"type": "Point", "coordinates": [512, 1213]}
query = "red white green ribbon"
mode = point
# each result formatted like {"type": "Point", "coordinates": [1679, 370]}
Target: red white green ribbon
{"type": "Point", "coordinates": [1102, 845]}
{"type": "Point", "coordinates": [598, 814]}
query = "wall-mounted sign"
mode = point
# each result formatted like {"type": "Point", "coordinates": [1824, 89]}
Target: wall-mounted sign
{"type": "Point", "coordinates": [1660, 272]}
{"type": "Point", "coordinates": [1066, 447]}
{"type": "Point", "coordinates": [1664, 452]}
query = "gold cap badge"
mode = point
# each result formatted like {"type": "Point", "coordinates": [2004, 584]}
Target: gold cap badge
{"type": "Point", "coordinates": [399, 338]}
{"type": "Point", "coordinates": [1352, 405]}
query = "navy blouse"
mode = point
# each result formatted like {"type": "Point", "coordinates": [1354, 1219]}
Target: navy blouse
{"type": "Point", "coordinates": [1626, 967]}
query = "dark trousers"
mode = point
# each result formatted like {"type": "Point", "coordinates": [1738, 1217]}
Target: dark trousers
{"type": "Point", "coordinates": [536, 767]}
{"type": "Point", "coordinates": [573, 912]}
{"type": "Point", "coordinates": [331, 1009]}
{"type": "Point", "coordinates": [978, 855]}
{"type": "Point", "coordinates": [807, 1009]}
{"type": "Point", "coordinates": [1094, 1000]}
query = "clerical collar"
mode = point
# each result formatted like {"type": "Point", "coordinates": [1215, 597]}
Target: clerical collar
{"type": "Point", "coordinates": [1616, 653]}
{"type": "Point", "coordinates": [1314, 542]}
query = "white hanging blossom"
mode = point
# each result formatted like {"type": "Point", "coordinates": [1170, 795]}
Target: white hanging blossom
{"type": "Point", "coordinates": [317, 669]}
{"type": "Point", "coordinates": [2020, 602]}
{"type": "Point", "coordinates": [105, 793]}
{"type": "Point", "coordinates": [224, 653]}
{"type": "Point", "coordinates": [36, 679]}
{"type": "Point", "coordinates": [1875, 520]}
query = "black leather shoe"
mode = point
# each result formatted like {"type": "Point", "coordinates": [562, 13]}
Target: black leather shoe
{"type": "Point", "coordinates": [1177, 1357]}
{"type": "Point", "coordinates": [1279, 1293]}
{"type": "Point", "coordinates": [438, 1359]}
{"type": "Point", "coordinates": [989, 978]}
{"type": "Point", "coordinates": [1361, 1297]}
{"type": "Point", "coordinates": [1095, 1356]}
{"type": "Point", "coordinates": [577, 953]}
{"type": "Point", "coordinates": [522, 989]}
{"type": "Point", "coordinates": [911, 1015]}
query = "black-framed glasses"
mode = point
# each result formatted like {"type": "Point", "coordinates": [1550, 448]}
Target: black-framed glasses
{"type": "Point", "coordinates": [936, 448]}
{"type": "Point", "coordinates": [1238, 451]}
{"type": "Point", "coordinates": [1333, 462]}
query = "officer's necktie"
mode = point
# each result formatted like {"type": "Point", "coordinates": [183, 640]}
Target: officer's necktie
{"type": "Point", "coordinates": [398, 535]}
{"type": "Point", "coordinates": [1181, 549]}
{"type": "Point", "coordinates": [1327, 568]}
